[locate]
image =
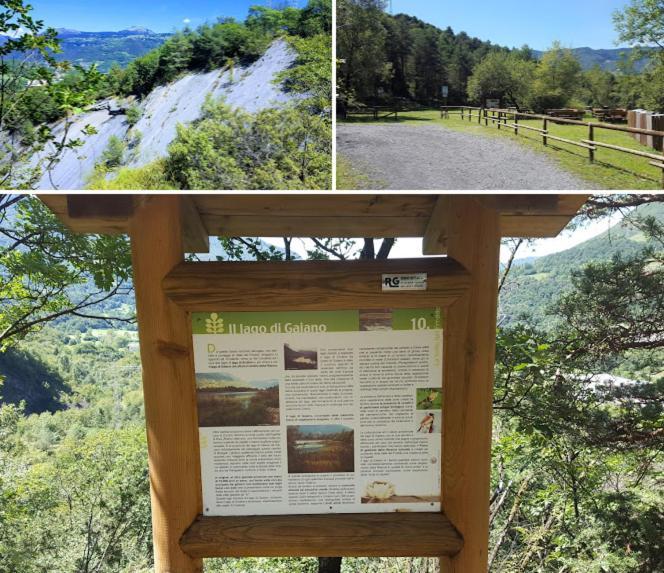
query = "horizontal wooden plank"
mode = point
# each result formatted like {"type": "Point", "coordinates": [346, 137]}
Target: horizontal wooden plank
{"type": "Point", "coordinates": [571, 142]}
{"type": "Point", "coordinates": [306, 205]}
{"type": "Point", "coordinates": [323, 225]}
{"type": "Point", "coordinates": [311, 285]}
{"type": "Point", "coordinates": [537, 226]}
{"type": "Point", "coordinates": [329, 215]}
{"type": "Point", "coordinates": [340, 535]}
{"type": "Point", "coordinates": [58, 204]}
{"type": "Point", "coordinates": [655, 156]}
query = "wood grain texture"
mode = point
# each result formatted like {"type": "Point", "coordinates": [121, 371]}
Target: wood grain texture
{"type": "Point", "coordinates": [196, 236]}
{"type": "Point", "coordinates": [168, 383]}
{"type": "Point", "coordinates": [468, 361]}
{"type": "Point", "coordinates": [341, 535]}
{"type": "Point", "coordinates": [326, 224]}
{"type": "Point", "coordinates": [310, 285]}
{"type": "Point", "coordinates": [332, 215]}
{"type": "Point", "coordinates": [434, 241]}
{"type": "Point", "coordinates": [303, 205]}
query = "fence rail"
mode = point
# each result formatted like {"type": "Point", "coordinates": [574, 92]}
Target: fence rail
{"type": "Point", "coordinates": [374, 111]}
{"type": "Point", "coordinates": [509, 119]}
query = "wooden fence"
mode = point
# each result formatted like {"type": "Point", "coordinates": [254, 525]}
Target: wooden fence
{"type": "Point", "coordinates": [509, 119]}
{"type": "Point", "coordinates": [377, 112]}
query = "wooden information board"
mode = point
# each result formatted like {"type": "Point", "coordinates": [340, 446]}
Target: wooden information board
{"type": "Point", "coordinates": [320, 405]}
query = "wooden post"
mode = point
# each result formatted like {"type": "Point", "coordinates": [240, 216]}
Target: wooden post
{"type": "Point", "coordinates": [168, 383]}
{"type": "Point", "coordinates": [516, 124]}
{"type": "Point", "coordinates": [473, 239]}
{"type": "Point", "coordinates": [500, 118]}
{"type": "Point", "coordinates": [462, 112]}
{"type": "Point", "coordinates": [546, 129]}
{"type": "Point", "coordinates": [591, 138]}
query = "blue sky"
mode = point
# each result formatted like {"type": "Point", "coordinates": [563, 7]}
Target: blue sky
{"type": "Point", "coordinates": [158, 15]}
{"type": "Point", "coordinates": [576, 23]}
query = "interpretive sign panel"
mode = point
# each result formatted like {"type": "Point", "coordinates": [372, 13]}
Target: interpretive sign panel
{"type": "Point", "coordinates": [319, 411]}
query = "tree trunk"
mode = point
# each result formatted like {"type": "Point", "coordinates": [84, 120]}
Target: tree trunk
{"type": "Point", "coordinates": [329, 564]}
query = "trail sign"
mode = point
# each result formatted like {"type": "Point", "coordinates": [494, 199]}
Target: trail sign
{"type": "Point", "coordinates": [445, 91]}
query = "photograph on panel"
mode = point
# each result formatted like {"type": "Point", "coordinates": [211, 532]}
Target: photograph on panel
{"type": "Point", "coordinates": [500, 95]}
{"type": "Point", "coordinates": [208, 95]}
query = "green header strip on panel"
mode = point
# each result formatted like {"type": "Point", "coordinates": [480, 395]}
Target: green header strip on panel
{"type": "Point", "coordinates": [316, 321]}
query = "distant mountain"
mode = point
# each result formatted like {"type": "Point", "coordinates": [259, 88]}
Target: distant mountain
{"type": "Point", "coordinates": [106, 48]}
{"type": "Point", "coordinates": [606, 59]}
{"type": "Point", "coordinates": [535, 284]}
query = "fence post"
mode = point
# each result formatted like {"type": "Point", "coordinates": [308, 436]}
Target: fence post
{"type": "Point", "coordinates": [591, 138]}
{"type": "Point", "coordinates": [479, 115]}
{"type": "Point", "coordinates": [516, 123]}
{"type": "Point", "coordinates": [462, 112]}
{"type": "Point", "coordinates": [500, 118]}
{"type": "Point", "coordinates": [486, 117]}
{"type": "Point", "coordinates": [546, 129]}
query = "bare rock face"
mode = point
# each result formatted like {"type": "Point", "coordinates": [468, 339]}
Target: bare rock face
{"type": "Point", "coordinates": [251, 88]}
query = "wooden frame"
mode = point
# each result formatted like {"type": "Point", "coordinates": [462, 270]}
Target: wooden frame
{"type": "Point", "coordinates": [318, 285]}
{"type": "Point", "coordinates": [466, 227]}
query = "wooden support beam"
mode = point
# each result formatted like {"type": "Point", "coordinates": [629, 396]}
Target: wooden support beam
{"type": "Point", "coordinates": [434, 241]}
{"type": "Point", "coordinates": [156, 231]}
{"type": "Point", "coordinates": [368, 534]}
{"type": "Point", "coordinates": [251, 286]}
{"type": "Point", "coordinates": [468, 362]}
{"type": "Point", "coordinates": [196, 237]}
{"type": "Point", "coordinates": [101, 207]}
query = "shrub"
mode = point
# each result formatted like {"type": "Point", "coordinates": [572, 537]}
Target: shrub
{"type": "Point", "coordinates": [113, 155]}
{"type": "Point", "coordinates": [134, 114]}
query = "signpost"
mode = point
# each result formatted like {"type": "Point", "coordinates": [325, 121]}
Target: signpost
{"type": "Point", "coordinates": [319, 365]}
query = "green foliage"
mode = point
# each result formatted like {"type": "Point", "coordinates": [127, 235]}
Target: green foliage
{"type": "Point", "coordinates": [641, 23]}
{"type": "Point", "coordinates": [281, 149]}
{"type": "Point", "coordinates": [311, 73]}
{"type": "Point", "coordinates": [361, 41]}
{"type": "Point", "coordinates": [213, 45]}
{"type": "Point", "coordinates": [84, 507]}
{"type": "Point", "coordinates": [600, 88]}
{"type": "Point", "coordinates": [557, 79]}
{"type": "Point", "coordinates": [148, 177]}
{"type": "Point", "coordinates": [113, 155]}
{"type": "Point", "coordinates": [40, 262]}
{"type": "Point", "coordinates": [31, 93]}
{"type": "Point", "coordinates": [24, 378]}
{"type": "Point", "coordinates": [505, 76]}
{"type": "Point", "coordinates": [134, 114]}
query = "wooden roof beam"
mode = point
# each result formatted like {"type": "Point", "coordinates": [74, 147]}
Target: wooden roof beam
{"type": "Point", "coordinates": [110, 214]}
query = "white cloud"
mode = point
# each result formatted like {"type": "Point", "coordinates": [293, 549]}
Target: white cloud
{"type": "Point", "coordinates": [186, 21]}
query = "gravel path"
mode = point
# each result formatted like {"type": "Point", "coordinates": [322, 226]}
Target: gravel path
{"type": "Point", "coordinates": [414, 157]}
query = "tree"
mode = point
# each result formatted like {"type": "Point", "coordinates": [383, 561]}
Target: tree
{"type": "Point", "coordinates": [504, 76]}
{"type": "Point", "coordinates": [27, 63]}
{"type": "Point", "coordinates": [557, 79]}
{"type": "Point", "coordinates": [599, 85]}
{"type": "Point", "coordinates": [279, 149]}
{"type": "Point", "coordinates": [576, 460]}
{"type": "Point", "coordinates": [42, 264]}
{"type": "Point", "coordinates": [641, 24]}
{"type": "Point", "coordinates": [361, 36]}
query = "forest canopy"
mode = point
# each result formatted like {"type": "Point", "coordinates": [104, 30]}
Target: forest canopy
{"type": "Point", "coordinates": [386, 59]}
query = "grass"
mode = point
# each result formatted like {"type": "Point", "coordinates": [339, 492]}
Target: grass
{"type": "Point", "coordinates": [611, 170]}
